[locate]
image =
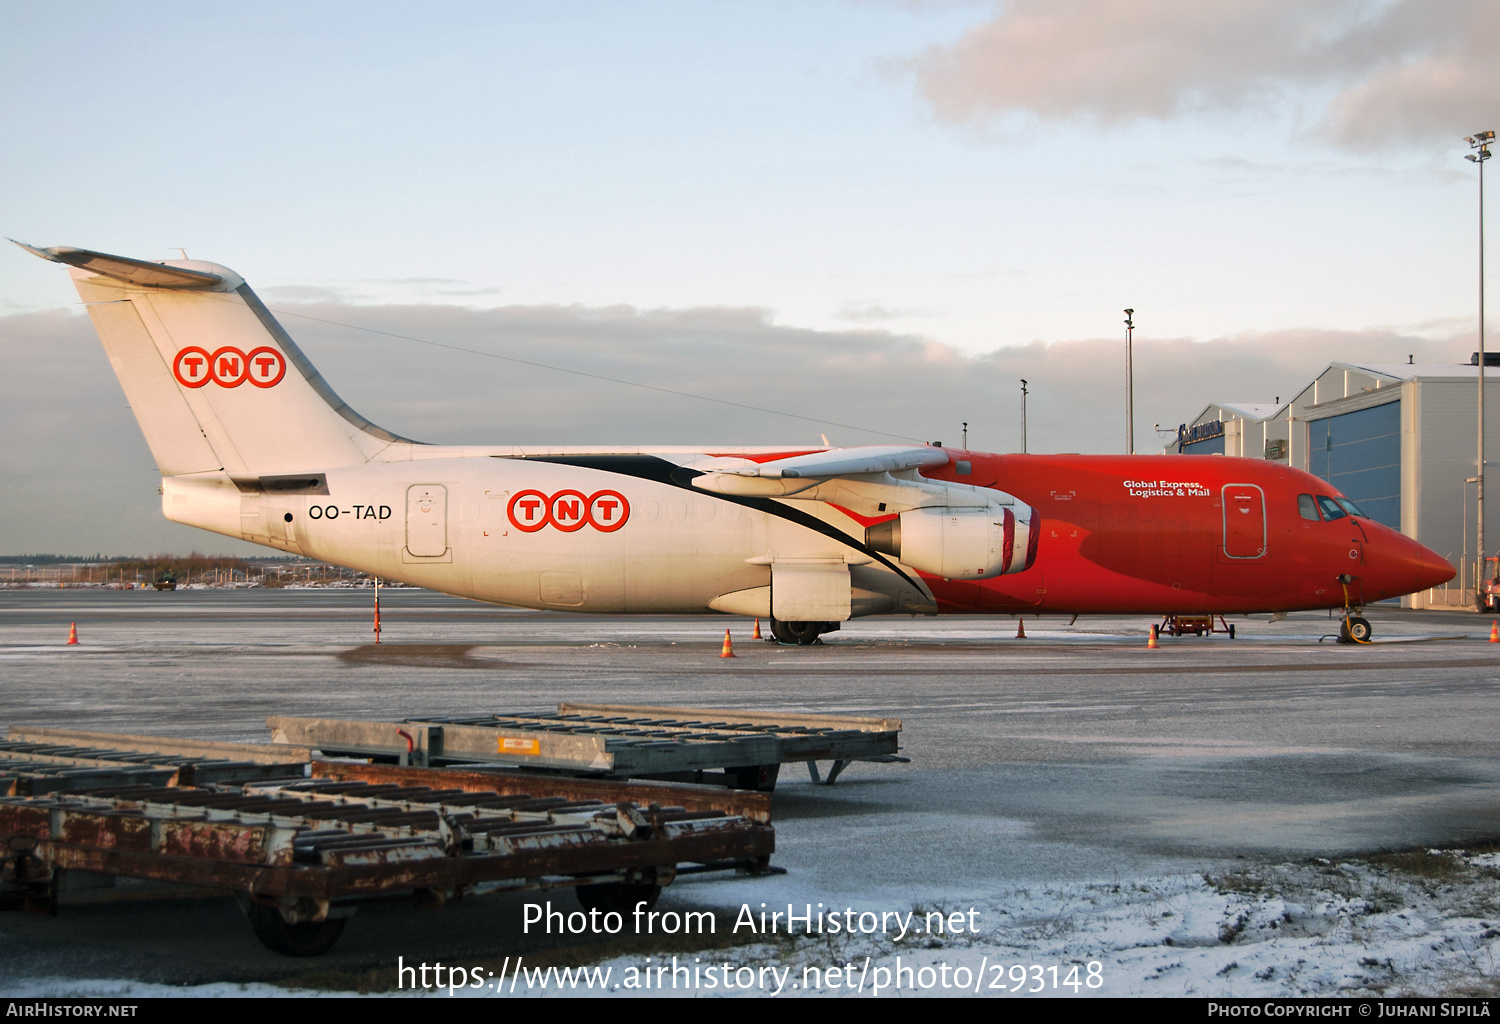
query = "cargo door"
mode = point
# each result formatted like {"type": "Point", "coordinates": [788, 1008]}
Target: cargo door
{"type": "Point", "coordinates": [1244, 521]}
{"type": "Point", "coordinates": [427, 520]}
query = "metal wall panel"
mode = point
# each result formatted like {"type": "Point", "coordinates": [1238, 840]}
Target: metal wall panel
{"type": "Point", "coordinates": [1213, 446]}
{"type": "Point", "coordinates": [1360, 454]}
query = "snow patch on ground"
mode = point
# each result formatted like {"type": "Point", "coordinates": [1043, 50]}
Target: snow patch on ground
{"type": "Point", "coordinates": [1423, 923]}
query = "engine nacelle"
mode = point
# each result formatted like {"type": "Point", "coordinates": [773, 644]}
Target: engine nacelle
{"type": "Point", "coordinates": [960, 543]}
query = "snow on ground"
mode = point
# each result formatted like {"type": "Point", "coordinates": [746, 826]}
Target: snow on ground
{"type": "Point", "coordinates": [1421, 923]}
{"type": "Point", "coordinates": [1406, 924]}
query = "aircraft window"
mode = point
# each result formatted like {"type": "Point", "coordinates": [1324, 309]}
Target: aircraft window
{"type": "Point", "coordinates": [1308, 507]}
{"type": "Point", "coordinates": [1331, 509]}
{"type": "Point", "coordinates": [1351, 508]}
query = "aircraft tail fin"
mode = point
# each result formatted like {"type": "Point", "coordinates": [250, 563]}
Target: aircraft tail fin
{"type": "Point", "coordinates": [214, 381]}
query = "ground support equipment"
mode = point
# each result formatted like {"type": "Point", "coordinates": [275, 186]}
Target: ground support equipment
{"type": "Point", "coordinates": [302, 853]}
{"type": "Point", "coordinates": [739, 749]}
{"type": "Point", "coordinates": [1198, 625]}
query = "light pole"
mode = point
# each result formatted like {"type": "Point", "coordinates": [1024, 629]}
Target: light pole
{"type": "Point", "coordinates": [1480, 143]}
{"type": "Point", "coordinates": [1129, 384]}
{"type": "Point", "coordinates": [1023, 415]}
{"type": "Point", "coordinates": [1463, 566]}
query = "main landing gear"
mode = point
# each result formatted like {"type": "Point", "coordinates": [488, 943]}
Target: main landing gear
{"type": "Point", "coordinates": [800, 633]}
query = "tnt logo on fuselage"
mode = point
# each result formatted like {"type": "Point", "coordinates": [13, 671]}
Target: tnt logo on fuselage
{"type": "Point", "coordinates": [229, 367]}
{"type": "Point", "coordinates": [568, 510]}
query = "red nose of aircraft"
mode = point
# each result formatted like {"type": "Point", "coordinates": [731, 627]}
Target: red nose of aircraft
{"type": "Point", "coordinates": [1394, 565]}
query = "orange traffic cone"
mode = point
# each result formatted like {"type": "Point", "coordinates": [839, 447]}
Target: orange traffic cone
{"type": "Point", "coordinates": [728, 651]}
{"type": "Point", "coordinates": [72, 632]}
{"type": "Point", "coordinates": [1494, 632]}
{"type": "Point", "coordinates": [756, 635]}
{"type": "Point", "coordinates": [1020, 629]}
{"type": "Point", "coordinates": [1151, 644]}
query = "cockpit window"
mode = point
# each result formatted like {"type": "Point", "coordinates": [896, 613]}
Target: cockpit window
{"type": "Point", "coordinates": [1351, 508]}
{"type": "Point", "coordinates": [1331, 508]}
{"type": "Point", "coordinates": [1308, 507]}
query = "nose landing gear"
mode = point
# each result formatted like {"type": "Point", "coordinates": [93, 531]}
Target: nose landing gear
{"type": "Point", "coordinates": [1355, 629]}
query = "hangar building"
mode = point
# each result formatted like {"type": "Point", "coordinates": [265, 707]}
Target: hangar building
{"type": "Point", "coordinates": [1398, 439]}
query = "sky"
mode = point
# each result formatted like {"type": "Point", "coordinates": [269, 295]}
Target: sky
{"type": "Point", "coordinates": [879, 214]}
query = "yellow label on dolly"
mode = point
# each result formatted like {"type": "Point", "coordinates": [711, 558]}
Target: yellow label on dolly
{"type": "Point", "coordinates": [515, 745]}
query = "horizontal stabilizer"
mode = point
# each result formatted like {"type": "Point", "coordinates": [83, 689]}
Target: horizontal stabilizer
{"type": "Point", "coordinates": [123, 268]}
{"type": "Point", "coordinates": [848, 462]}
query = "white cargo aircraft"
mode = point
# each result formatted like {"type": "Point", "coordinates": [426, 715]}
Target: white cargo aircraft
{"type": "Point", "coordinates": [253, 444]}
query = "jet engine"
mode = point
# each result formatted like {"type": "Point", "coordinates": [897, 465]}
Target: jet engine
{"type": "Point", "coordinates": [960, 543]}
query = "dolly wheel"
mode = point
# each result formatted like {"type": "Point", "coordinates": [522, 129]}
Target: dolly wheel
{"type": "Point", "coordinates": [618, 897]}
{"type": "Point", "coordinates": [760, 777]}
{"type": "Point", "coordinates": [307, 938]}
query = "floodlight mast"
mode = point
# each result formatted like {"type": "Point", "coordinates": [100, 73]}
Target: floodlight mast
{"type": "Point", "coordinates": [1023, 415]}
{"type": "Point", "coordinates": [1129, 384]}
{"type": "Point", "coordinates": [1480, 143]}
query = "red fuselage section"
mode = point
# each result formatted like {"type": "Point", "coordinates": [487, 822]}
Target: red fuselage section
{"type": "Point", "coordinates": [1183, 535]}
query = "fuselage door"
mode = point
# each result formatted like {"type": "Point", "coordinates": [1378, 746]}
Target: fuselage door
{"type": "Point", "coordinates": [427, 520]}
{"type": "Point", "coordinates": [1244, 521]}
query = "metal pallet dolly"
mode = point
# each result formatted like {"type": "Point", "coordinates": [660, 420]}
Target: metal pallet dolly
{"type": "Point", "coordinates": [302, 852]}
{"type": "Point", "coordinates": [740, 749]}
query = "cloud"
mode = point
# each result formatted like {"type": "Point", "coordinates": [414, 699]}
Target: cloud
{"type": "Point", "coordinates": [75, 474]}
{"type": "Point", "coordinates": [1371, 74]}
{"type": "Point", "coordinates": [366, 290]}
{"type": "Point", "coordinates": [313, 293]}
{"type": "Point", "coordinates": [865, 312]}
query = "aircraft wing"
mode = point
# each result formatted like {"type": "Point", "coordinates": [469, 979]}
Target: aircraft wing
{"type": "Point", "coordinates": [847, 462]}
{"type": "Point", "coordinates": [124, 268]}
{"type": "Point", "coordinates": [857, 478]}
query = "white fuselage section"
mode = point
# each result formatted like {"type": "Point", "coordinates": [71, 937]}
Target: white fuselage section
{"type": "Point", "coordinates": [478, 526]}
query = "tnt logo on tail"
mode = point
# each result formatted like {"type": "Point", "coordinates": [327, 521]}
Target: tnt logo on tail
{"type": "Point", "coordinates": [229, 367]}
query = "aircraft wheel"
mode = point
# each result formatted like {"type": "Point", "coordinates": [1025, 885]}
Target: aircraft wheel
{"type": "Point", "coordinates": [307, 938]}
{"type": "Point", "coordinates": [781, 632]}
{"type": "Point", "coordinates": [802, 633]}
{"type": "Point", "coordinates": [1231, 632]}
{"type": "Point", "coordinates": [1360, 629]}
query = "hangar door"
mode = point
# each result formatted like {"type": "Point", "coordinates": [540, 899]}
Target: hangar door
{"type": "Point", "coordinates": [1244, 521]}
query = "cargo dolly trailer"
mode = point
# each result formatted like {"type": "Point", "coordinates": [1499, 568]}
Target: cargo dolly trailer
{"type": "Point", "coordinates": [301, 854]}
{"type": "Point", "coordinates": [34, 768]}
{"type": "Point", "coordinates": [742, 749]}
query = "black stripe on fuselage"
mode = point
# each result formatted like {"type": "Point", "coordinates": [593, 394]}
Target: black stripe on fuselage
{"type": "Point", "coordinates": [659, 470]}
